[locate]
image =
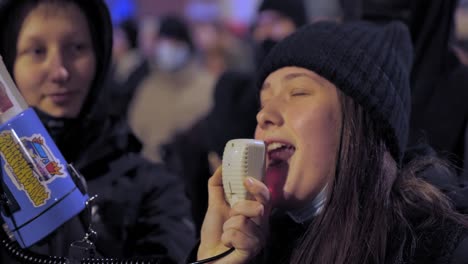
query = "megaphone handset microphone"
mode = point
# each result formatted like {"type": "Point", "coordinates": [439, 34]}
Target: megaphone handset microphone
{"type": "Point", "coordinates": [241, 158]}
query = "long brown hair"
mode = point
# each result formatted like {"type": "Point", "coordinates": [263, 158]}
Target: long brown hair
{"type": "Point", "coordinates": [371, 207]}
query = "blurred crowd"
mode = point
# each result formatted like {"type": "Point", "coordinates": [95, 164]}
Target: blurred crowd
{"type": "Point", "coordinates": [184, 83]}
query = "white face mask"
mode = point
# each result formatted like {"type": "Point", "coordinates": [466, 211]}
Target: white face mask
{"type": "Point", "coordinates": [170, 57]}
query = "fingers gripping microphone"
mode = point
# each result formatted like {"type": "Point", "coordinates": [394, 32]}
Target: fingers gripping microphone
{"type": "Point", "coordinates": [241, 158]}
{"type": "Point", "coordinates": [39, 190]}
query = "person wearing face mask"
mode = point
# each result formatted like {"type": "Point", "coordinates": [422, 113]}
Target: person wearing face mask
{"type": "Point", "coordinates": [335, 110]}
{"type": "Point", "coordinates": [193, 152]}
{"type": "Point", "coordinates": [175, 95]}
{"type": "Point", "coordinates": [58, 52]}
{"type": "Point", "coordinates": [174, 45]}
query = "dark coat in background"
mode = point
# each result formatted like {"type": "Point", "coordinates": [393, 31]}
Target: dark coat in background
{"type": "Point", "coordinates": [129, 68]}
{"type": "Point", "coordinates": [117, 94]}
{"type": "Point", "coordinates": [439, 110]}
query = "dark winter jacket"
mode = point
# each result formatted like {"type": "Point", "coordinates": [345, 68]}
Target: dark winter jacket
{"type": "Point", "coordinates": [117, 94]}
{"type": "Point", "coordinates": [447, 244]}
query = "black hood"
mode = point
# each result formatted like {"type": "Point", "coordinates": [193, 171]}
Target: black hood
{"type": "Point", "coordinates": [101, 32]}
{"type": "Point", "coordinates": [431, 24]}
{"type": "Point", "coordinates": [432, 29]}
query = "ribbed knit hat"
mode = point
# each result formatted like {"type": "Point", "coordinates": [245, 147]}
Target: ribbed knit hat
{"type": "Point", "coordinates": [369, 63]}
{"type": "Point", "coordinates": [293, 9]}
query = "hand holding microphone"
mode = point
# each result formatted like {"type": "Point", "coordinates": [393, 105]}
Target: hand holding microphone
{"type": "Point", "coordinates": [239, 204]}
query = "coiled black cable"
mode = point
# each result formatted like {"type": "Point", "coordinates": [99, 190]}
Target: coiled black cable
{"type": "Point", "coordinates": [222, 255]}
{"type": "Point", "coordinates": [122, 261]}
{"type": "Point", "coordinates": [28, 257]}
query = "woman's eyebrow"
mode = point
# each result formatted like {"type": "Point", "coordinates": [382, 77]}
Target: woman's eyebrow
{"type": "Point", "coordinates": [289, 77]}
{"type": "Point", "coordinates": [31, 38]}
{"type": "Point", "coordinates": [294, 75]}
{"type": "Point", "coordinates": [312, 77]}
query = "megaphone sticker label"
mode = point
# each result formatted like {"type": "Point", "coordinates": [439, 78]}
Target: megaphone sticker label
{"type": "Point", "coordinates": [32, 171]}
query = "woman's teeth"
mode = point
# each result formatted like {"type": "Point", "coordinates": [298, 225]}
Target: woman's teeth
{"type": "Point", "coordinates": [274, 146]}
{"type": "Point", "coordinates": [277, 145]}
{"type": "Point", "coordinates": [279, 152]}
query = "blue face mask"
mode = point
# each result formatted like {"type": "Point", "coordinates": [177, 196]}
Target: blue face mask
{"type": "Point", "coordinates": [170, 57]}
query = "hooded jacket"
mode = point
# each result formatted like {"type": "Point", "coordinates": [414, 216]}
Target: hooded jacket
{"type": "Point", "coordinates": [134, 213]}
{"type": "Point", "coordinates": [439, 112]}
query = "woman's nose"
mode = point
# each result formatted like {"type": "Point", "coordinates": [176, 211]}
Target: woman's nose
{"type": "Point", "coordinates": [58, 68]}
{"type": "Point", "coordinates": [269, 116]}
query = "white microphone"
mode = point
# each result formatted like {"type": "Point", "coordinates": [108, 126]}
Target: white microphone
{"type": "Point", "coordinates": [241, 158]}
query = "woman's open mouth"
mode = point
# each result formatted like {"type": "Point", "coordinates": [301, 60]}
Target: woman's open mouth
{"type": "Point", "coordinates": [279, 155]}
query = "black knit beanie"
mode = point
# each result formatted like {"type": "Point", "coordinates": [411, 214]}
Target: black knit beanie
{"type": "Point", "coordinates": [293, 9]}
{"type": "Point", "coordinates": [369, 63]}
